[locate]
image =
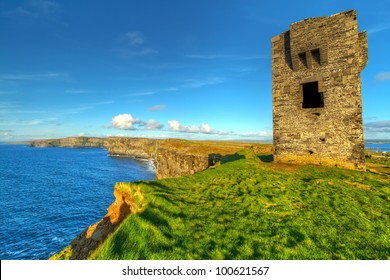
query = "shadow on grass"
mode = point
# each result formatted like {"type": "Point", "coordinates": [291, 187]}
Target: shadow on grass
{"type": "Point", "coordinates": [294, 238]}
{"type": "Point", "coordinates": [214, 158]}
{"type": "Point", "coordinates": [119, 238]}
{"type": "Point", "coordinates": [154, 218]}
{"type": "Point", "coordinates": [159, 186]}
{"type": "Point", "coordinates": [266, 158]}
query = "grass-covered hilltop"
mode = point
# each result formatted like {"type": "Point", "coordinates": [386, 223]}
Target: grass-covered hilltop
{"type": "Point", "coordinates": [247, 207]}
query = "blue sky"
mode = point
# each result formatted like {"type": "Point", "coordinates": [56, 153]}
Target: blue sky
{"type": "Point", "coordinates": [188, 69]}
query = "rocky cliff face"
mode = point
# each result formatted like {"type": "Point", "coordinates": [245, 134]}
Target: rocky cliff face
{"type": "Point", "coordinates": [72, 142]}
{"type": "Point", "coordinates": [171, 163]}
{"type": "Point", "coordinates": [128, 200]}
{"type": "Point", "coordinates": [172, 157]}
{"type": "Point", "coordinates": [133, 147]}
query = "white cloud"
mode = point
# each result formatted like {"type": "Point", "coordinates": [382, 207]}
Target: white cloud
{"type": "Point", "coordinates": [380, 126]}
{"type": "Point", "coordinates": [143, 52]}
{"type": "Point", "coordinates": [186, 84]}
{"type": "Point", "coordinates": [204, 82]}
{"type": "Point", "coordinates": [128, 122]}
{"type": "Point", "coordinates": [205, 128]}
{"type": "Point", "coordinates": [127, 52]}
{"type": "Point", "coordinates": [32, 122]}
{"type": "Point", "coordinates": [144, 93]}
{"type": "Point", "coordinates": [382, 76]}
{"type": "Point", "coordinates": [45, 6]}
{"type": "Point", "coordinates": [124, 121]}
{"type": "Point", "coordinates": [370, 118]}
{"type": "Point", "coordinates": [33, 77]}
{"type": "Point", "coordinates": [78, 110]}
{"type": "Point", "coordinates": [6, 134]}
{"type": "Point", "coordinates": [33, 9]}
{"type": "Point", "coordinates": [108, 102]}
{"type": "Point", "coordinates": [116, 135]}
{"type": "Point", "coordinates": [255, 134]}
{"type": "Point", "coordinates": [378, 28]}
{"type": "Point", "coordinates": [174, 125]}
{"type": "Point", "coordinates": [264, 133]}
{"type": "Point", "coordinates": [77, 91]}
{"type": "Point", "coordinates": [132, 38]}
{"type": "Point", "coordinates": [159, 107]}
{"type": "Point", "coordinates": [153, 92]}
{"type": "Point", "coordinates": [20, 12]}
{"type": "Point", "coordinates": [131, 44]}
{"type": "Point", "coordinates": [153, 125]}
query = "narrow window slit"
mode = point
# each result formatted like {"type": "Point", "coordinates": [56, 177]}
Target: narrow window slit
{"type": "Point", "coordinates": [316, 56]}
{"type": "Point", "coordinates": [302, 58]}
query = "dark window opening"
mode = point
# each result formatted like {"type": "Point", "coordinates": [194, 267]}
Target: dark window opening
{"type": "Point", "coordinates": [302, 58]}
{"type": "Point", "coordinates": [312, 98]}
{"type": "Point", "coordinates": [316, 56]}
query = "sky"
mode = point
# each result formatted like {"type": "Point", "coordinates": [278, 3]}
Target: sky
{"type": "Point", "coordinates": [180, 69]}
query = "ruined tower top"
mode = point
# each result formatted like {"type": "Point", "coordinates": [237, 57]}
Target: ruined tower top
{"type": "Point", "coordinates": [316, 91]}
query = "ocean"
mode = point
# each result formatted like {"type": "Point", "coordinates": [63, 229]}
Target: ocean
{"type": "Point", "coordinates": [378, 147]}
{"type": "Point", "coordinates": [49, 195]}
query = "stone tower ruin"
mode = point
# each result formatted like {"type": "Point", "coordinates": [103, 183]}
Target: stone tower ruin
{"type": "Point", "coordinates": [316, 91]}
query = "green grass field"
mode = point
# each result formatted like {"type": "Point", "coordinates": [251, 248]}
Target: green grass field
{"type": "Point", "coordinates": [251, 208]}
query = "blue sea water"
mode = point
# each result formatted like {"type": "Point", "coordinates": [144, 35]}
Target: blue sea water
{"type": "Point", "coordinates": [49, 195]}
{"type": "Point", "coordinates": [378, 147]}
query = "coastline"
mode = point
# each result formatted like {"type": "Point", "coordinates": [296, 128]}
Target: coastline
{"type": "Point", "coordinates": [51, 195]}
{"type": "Point", "coordinates": [171, 158]}
{"type": "Point", "coordinates": [149, 162]}
{"type": "Point", "coordinates": [180, 156]}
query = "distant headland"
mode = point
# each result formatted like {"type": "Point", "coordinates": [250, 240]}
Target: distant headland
{"type": "Point", "coordinates": [172, 157]}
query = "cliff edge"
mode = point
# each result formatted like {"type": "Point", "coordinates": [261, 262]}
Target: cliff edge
{"type": "Point", "coordinates": [71, 142]}
{"type": "Point", "coordinates": [172, 157]}
{"type": "Point", "coordinates": [128, 200]}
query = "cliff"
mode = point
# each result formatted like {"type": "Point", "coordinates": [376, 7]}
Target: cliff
{"type": "Point", "coordinates": [142, 148]}
{"type": "Point", "coordinates": [128, 200]}
{"type": "Point", "coordinates": [169, 157]}
{"type": "Point", "coordinates": [247, 209]}
{"type": "Point", "coordinates": [72, 142]}
{"type": "Point", "coordinates": [177, 157]}
{"type": "Point", "coordinates": [171, 163]}
{"type": "Point", "coordinates": [172, 157]}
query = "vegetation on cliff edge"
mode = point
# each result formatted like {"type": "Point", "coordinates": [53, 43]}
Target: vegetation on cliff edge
{"type": "Point", "coordinates": [249, 208]}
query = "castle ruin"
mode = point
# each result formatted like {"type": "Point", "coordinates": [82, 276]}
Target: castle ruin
{"type": "Point", "coordinates": [316, 91]}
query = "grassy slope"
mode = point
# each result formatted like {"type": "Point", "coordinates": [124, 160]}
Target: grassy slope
{"type": "Point", "coordinates": [249, 209]}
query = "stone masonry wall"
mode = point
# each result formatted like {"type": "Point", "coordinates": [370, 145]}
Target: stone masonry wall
{"type": "Point", "coordinates": [316, 91]}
